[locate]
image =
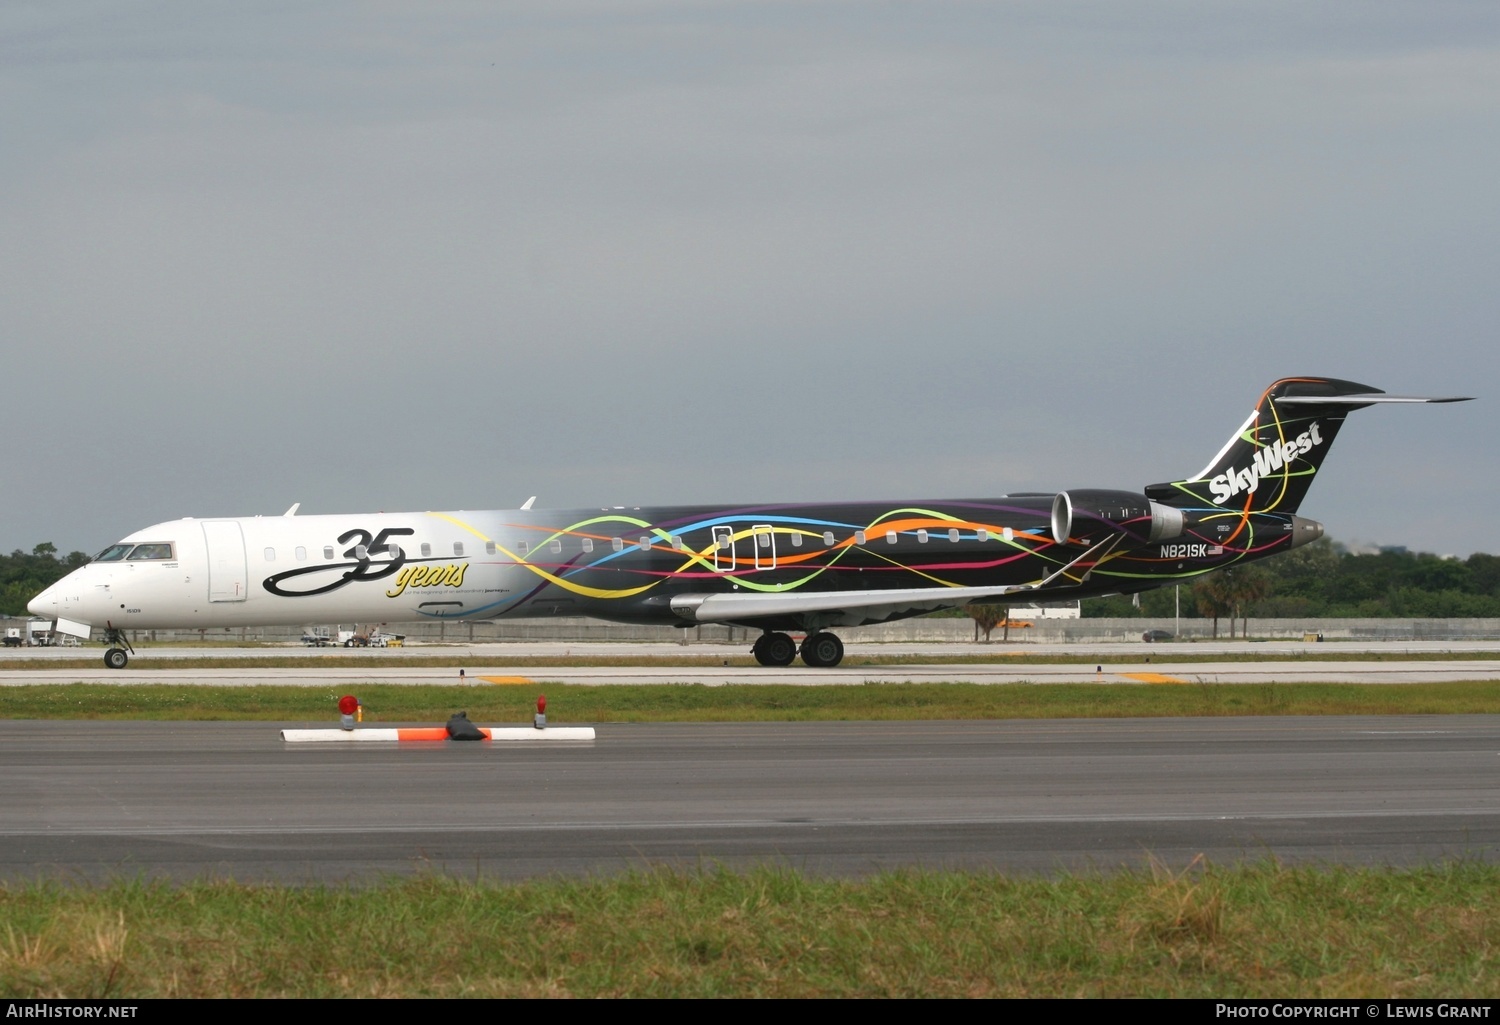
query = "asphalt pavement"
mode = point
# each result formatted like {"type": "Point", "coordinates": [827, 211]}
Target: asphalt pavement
{"type": "Point", "coordinates": [95, 800]}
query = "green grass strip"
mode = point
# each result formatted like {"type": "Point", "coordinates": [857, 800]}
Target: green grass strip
{"type": "Point", "coordinates": [1255, 931]}
{"type": "Point", "coordinates": [577, 703]}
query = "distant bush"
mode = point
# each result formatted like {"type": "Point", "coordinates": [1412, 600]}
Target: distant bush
{"type": "Point", "coordinates": [23, 577]}
{"type": "Point", "coordinates": [1324, 580]}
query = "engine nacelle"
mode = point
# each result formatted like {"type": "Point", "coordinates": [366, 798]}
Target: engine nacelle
{"type": "Point", "coordinates": [1092, 515]}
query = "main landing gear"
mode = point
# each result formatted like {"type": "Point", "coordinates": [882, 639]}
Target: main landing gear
{"type": "Point", "coordinates": [820, 650]}
{"type": "Point", "coordinates": [115, 657]}
{"type": "Point", "coordinates": [774, 649]}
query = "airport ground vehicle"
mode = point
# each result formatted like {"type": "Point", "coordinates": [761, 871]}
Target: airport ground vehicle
{"type": "Point", "coordinates": [372, 638]}
{"type": "Point", "coordinates": [317, 637]}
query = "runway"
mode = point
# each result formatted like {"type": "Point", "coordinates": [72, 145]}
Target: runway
{"type": "Point", "coordinates": [852, 672]}
{"type": "Point", "coordinates": [855, 648]}
{"type": "Point", "coordinates": [94, 800]}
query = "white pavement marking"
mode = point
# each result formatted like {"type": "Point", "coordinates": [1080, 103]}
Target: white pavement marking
{"type": "Point", "coordinates": [434, 735]}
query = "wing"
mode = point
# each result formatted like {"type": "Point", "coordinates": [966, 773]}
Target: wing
{"type": "Point", "coordinates": [857, 608]}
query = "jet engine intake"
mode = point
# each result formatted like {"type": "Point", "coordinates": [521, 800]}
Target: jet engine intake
{"type": "Point", "coordinates": [1093, 514]}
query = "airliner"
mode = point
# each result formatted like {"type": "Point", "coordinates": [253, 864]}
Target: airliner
{"type": "Point", "coordinates": [779, 568]}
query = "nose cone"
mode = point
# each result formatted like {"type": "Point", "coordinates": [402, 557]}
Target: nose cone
{"type": "Point", "coordinates": [44, 604]}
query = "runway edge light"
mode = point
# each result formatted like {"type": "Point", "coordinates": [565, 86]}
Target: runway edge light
{"type": "Point", "coordinates": [348, 706]}
{"type": "Point", "coordinates": [540, 719]}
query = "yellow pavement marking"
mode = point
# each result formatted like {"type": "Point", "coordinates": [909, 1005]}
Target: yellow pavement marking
{"type": "Point", "coordinates": [503, 680]}
{"type": "Point", "coordinates": [1152, 678]}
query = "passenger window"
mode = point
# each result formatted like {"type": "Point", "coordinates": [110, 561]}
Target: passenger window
{"type": "Point", "coordinates": [522, 547]}
{"type": "Point", "coordinates": [763, 538]}
{"type": "Point", "coordinates": [644, 543]}
{"type": "Point", "coordinates": [588, 544]}
{"type": "Point", "coordinates": [797, 540]}
{"type": "Point", "coordinates": [328, 551]}
{"type": "Point", "coordinates": [458, 548]}
{"type": "Point", "coordinates": [617, 543]}
{"type": "Point", "coordinates": [828, 538]}
{"type": "Point", "coordinates": [724, 542]}
{"type": "Point", "coordinates": [859, 537]}
{"type": "Point", "coordinates": [301, 554]}
{"type": "Point", "coordinates": [270, 555]}
{"type": "Point", "coordinates": [953, 534]}
{"type": "Point", "coordinates": [426, 549]}
{"type": "Point", "coordinates": [556, 546]}
{"type": "Point", "coordinates": [489, 548]}
{"type": "Point", "coordinates": [890, 537]}
{"type": "Point", "coordinates": [676, 543]}
{"type": "Point", "coordinates": [360, 552]}
{"type": "Point", "coordinates": [1010, 535]}
{"type": "Point", "coordinates": [982, 534]}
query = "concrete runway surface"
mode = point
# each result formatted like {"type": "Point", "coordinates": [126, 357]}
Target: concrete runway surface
{"type": "Point", "coordinates": [93, 800]}
{"type": "Point", "coordinates": [854, 647]}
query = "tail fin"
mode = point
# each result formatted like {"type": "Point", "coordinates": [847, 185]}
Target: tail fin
{"type": "Point", "coordinates": [1269, 463]}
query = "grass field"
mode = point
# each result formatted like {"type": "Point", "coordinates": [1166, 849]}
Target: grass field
{"type": "Point", "coordinates": [575, 703]}
{"type": "Point", "coordinates": [1258, 931]}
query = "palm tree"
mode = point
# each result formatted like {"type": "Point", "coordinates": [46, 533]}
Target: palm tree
{"type": "Point", "coordinates": [1230, 592]}
{"type": "Point", "coordinates": [1251, 584]}
{"type": "Point", "coordinates": [1212, 596]}
{"type": "Point", "coordinates": [986, 618]}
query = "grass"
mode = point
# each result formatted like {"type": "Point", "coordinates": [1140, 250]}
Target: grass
{"type": "Point", "coordinates": [745, 703]}
{"type": "Point", "coordinates": [1253, 931]}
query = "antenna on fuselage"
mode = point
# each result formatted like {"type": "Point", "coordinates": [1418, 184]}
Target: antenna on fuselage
{"type": "Point", "coordinates": [527, 504]}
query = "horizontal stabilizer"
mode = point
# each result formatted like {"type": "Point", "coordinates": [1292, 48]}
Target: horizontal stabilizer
{"type": "Point", "coordinates": [1362, 400]}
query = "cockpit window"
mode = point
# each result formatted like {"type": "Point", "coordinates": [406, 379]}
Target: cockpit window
{"type": "Point", "coordinates": [151, 551]}
{"type": "Point", "coordinates": [114, 553]}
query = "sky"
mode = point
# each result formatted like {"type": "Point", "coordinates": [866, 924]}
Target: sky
{"type": "Point", "coordinates": [382, 256]}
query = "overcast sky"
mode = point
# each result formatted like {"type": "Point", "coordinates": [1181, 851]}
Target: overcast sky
{"type": "Point", "coordinates": [450, 255]}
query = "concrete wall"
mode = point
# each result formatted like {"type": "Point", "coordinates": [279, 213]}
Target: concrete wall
{"type": "Point", "coordinates": [1053, 631]}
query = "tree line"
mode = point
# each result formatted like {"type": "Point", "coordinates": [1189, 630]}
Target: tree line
{"type": "Point", "coordinates": [1323, 580]}
{"type": "Point", "coordinates": [23, 577]}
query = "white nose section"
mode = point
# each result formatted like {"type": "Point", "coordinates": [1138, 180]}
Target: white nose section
{"type": "Point", "coordinates": [44, 604]}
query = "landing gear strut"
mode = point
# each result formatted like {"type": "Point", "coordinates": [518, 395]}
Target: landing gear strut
{"type": "Point", "coordinates": [115, 657]}
{"type": "Point", "coordinates": [822, 650]}
{"type": "Point", "coordinates": [774, 649]}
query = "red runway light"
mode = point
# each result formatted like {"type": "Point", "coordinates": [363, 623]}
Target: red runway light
{"type": "Point", "coordinates": [348, 704]}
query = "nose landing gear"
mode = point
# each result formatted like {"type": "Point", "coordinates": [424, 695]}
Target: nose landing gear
{"type": "Point", "coordinates": [119, 644]}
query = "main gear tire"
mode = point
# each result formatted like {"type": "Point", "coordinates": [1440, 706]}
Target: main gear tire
{"type": "Point", "coordinates": [822, 651]}
{"type": "Point", "coordinates": [774, 649]}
